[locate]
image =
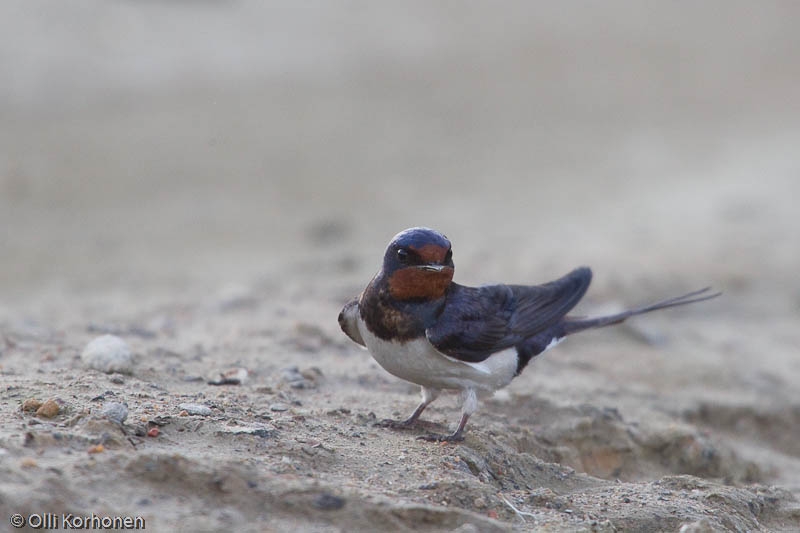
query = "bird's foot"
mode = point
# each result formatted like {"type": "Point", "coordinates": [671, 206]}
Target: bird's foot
{"type": "Point", "coordinates": [433, 437]}
{"type": "Point", "coordinates": [396, 424]}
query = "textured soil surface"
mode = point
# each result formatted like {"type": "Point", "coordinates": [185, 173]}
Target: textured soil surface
{"type": "Point", "coordinates": [211, 182]}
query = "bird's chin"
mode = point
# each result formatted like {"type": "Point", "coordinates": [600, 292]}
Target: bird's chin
{"type": "Point", "coordinates": [427, 282]}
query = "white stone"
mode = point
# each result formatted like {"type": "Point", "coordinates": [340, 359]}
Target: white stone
{"type": "Point", "coordinates": [195, 409]}
{"type": "Point", "coordinates": [109, 354]}
{"type": "Point", "coordinates": [115, 411]}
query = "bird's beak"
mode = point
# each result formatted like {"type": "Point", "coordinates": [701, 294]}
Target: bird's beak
{"type": "Point", "coordinates": [431, 268]}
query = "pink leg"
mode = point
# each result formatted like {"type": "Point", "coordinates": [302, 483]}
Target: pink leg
{"type": "Point", "coordinates": [428, 395]}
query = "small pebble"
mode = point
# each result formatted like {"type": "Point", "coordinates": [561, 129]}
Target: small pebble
{"type": "Point", "coordinates": [153, 432]}
{"type": "Point", "coordinates": [262, 431]}
{"type": "Point", "coordinates": [31, 405]}
{"type": "Point", "coordinates": [48, 409]}
{"type": "Point", "coordinates": [195, 409]}
{"type": "Point", "coordinates": [312, 373]}
{"type": "Point", "coordinates": [28, 462]}
{"type": "Point", "coordinates": [279, 407]}
{"type": "Point", "coordinates": [328, 502]}
{"type": "Point", "coordinates": [109, 354]}
{"type": "Point", "coordinates": [293, 377]}
{"type": "Point", "coordinates": [233, 376]}
{"type": "Point", "coordinates": [97, 448]}
{"type": "Point", "coordinates": [115, 411]}
{"type": "Point", "coordinates": [298, 379]}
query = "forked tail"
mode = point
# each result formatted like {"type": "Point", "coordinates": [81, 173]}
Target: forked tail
{"type": "Point", "coordinates": [573, 325]}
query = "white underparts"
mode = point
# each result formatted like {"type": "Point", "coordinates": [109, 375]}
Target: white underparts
{"type": "Point", "coordinates": [428, 394]}
{"type": "Point", "coordinates": [418, 361]}
{"type": "Point", "coordinates": [553, 343]}
{"type": "Point", "coordinates": [469, 401]}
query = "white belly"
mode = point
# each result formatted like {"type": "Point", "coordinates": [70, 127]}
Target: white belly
{"type": "Point", "coordinates": [419, 362]}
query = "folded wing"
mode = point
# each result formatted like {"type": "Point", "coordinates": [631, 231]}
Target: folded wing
{"type": "Point", "coordinates": [479, 321]}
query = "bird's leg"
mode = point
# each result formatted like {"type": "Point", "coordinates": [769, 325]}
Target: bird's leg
{"type": "Point", "coordinates": [428, 395]}
{"type": "Point", "coordinates": [469, 406]}
{"type": "Point", "coordinates": [404, 424]}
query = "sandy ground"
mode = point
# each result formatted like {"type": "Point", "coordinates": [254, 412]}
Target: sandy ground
{"type": "Point", "coordinates": [212, 181]}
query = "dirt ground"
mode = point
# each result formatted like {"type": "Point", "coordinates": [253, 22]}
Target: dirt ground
{"type": "Point", "coordinates": [212, 181]}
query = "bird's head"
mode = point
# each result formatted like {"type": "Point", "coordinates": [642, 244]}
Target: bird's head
{"type": "Point", "coordinates": [418, 265]}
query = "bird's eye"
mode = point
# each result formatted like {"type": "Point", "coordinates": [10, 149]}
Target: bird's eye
{"type": "Point", "coordinates": [402, 255]}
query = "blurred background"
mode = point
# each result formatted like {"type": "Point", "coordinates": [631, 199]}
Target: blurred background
{"type": "Point", "coordinates": [164, 146]}
{"type": "Point", "coordinates": [213, 179]}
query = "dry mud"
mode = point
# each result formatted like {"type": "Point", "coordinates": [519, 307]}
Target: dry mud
{"type": "Point", "coordinates": [296, 444]}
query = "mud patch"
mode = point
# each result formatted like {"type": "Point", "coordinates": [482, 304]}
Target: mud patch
{"type": "Point", "coordinates": [601, 443]}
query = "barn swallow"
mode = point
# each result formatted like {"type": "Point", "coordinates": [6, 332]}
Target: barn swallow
{"type": "Point", "coordinates": [424, 328]}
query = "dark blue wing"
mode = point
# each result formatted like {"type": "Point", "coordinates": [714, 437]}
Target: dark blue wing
{"type": "Point", "coordinates": [479, 321]}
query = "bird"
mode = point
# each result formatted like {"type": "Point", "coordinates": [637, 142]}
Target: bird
{"type": "Point", "coordinates": [424, 328]}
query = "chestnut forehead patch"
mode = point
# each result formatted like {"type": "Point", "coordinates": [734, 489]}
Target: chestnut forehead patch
{"type": "Point", "coordinates": [431, 253]}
